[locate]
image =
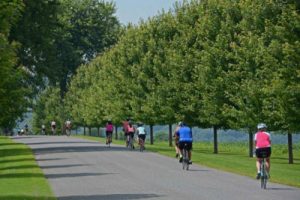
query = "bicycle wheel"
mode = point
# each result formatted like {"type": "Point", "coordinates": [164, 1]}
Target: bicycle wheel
{"type": "Point", "coordinates": [130, 143]}
{"type": "Point", "coordinates": [264, 176]}
{"type": "Point", "coordinates": [185, 160]}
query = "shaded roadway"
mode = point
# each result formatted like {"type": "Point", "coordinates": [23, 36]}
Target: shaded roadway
{"type": "Point", "coordinates": [78, 169]}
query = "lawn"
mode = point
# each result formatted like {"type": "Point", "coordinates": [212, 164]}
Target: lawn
{"type": "Point", "coordinates": [21, 178]}
{"type": "Point", "coordinates": [233, 157]}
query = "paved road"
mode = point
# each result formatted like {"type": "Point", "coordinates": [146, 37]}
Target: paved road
{"type": "Point", "coordinates": [78, 169]}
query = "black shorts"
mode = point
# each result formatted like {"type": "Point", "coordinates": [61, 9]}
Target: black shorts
{"type": "Point", "coordinates": [189, 145]}
{"type": "Point", "coordinates": [108, 133]}
{"type": "Point", "coordinates": [263, 152]}
{"type": "Point", "coordinates": [142, 137]}
{"type": "Point", "coordinates": [131, 134]}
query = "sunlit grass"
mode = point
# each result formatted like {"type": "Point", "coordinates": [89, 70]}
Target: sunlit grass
{"type": "Point", "coordinates": [20, 176]}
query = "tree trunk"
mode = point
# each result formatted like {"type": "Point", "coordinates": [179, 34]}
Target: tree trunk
{"type": "Point", "coordinates": [290, 148]}
{"type": "Point", "coordinates": [170, 135]}
{"type": "Point", "coordinates": [90, 131]}
{"type": "Point", "coordinates": [151, 134]}
{"type": "Point", "coordinates": [98, 131]}
{"type": "Point", "coordinates": [250, 143]}
{"type": "Point", "coordinates": [215, 139]}
{"type": "Point", "coordinates": [116, 128]}
{"type": "Point", "coordinates": [84, 132]}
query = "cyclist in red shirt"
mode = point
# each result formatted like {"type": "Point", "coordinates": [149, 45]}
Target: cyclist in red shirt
{"type": "Point", "coordinates": [262, 141]}
{"type": "Point", "coordinates": [125, 129]}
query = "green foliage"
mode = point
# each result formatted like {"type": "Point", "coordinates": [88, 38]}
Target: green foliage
{"type": "Point", "coordinates": [48, 108]}
{"type": "Point", "coordinates": [13, 92]}
{"type": "Point", "coordinates": [228, 64]}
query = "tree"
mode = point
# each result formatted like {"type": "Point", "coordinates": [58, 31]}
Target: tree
{"type": "Point", "coordinates": [13, 92]}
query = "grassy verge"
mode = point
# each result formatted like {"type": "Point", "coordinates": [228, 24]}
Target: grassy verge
{"type": "Point", "coordinates": [233, 157]}
{"type": "Point", "coordinates": [21, 178]}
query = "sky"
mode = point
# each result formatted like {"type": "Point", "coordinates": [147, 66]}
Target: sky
{"type": "Point", "coordinates": [134, 10]}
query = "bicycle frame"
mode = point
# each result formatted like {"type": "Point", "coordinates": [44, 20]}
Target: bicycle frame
{"type": "Point", "coordinates": [185, 159]}
{"type": "Point", "coordinates": [264, 173]}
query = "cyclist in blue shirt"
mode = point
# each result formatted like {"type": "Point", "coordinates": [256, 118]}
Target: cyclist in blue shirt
{"type": "Point", "coordinates": [184, 133]}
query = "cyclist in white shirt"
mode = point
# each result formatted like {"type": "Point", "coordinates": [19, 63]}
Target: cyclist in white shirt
{"type": "Point", "coordinates": [141, 132]}
{"type": "Point", "coordinates": [53, 127]}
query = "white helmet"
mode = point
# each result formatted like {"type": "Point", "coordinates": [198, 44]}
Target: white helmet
{"type": "Point", "coordinates": [261, 126]}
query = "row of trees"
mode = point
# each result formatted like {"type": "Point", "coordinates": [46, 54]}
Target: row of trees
{"type": "Point", "coordinates": [221, 64]}
{"type": "Point", "coordinates": [13, 92]}
{"type": "Point", "coordinates": [42, 43]}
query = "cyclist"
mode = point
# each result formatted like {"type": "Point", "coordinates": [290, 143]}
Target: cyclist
{"type": "Point", "coordinates": [131, 131]}
{"type": "Point", "coordinates": [26, 129]}
{"type": "Point", "coordinates": [53, 127]}
{"type": "Point", "coordinates": [184, 133]}
{"type": "Point", "coordinates": [109, 130]}
{"type": "Point", "coordinates": [141, 132]}
{"type": "Point", "coordinates": [176, 139]}
{"type": "Point", "coordinates": [262, 142]}
{"type": "Point", "coordinates": [125, 129]}
{"type": "Point", "coordinates": [68, 125]}
{"type": "Point", "coordinates": [43, 129]}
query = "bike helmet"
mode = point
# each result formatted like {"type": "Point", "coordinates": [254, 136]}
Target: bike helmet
{"type": "Point", "coordinates": [261, 126]}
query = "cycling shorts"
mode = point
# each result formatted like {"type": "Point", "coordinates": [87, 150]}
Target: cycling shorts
{"type": "Point", "coordinates": [108, 133]}
{"type": "Point", "coordinates": [263, 152]}
{"type": "Point", "coordinates": [142, 137]}
{"type": "Point", "coordinates": [131, 134]}
{"type": "Point", "coordinates": [188, 147]}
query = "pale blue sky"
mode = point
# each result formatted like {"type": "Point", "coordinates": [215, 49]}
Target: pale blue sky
{"type": "Point", "coordinates": [134, 10]}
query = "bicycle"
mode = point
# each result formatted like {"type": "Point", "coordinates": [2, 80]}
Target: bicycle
{"type": "Point", "coordinates": [185, 158]}
{"type": "Point", "coordinates": [53, 130]}
{"type": "Point", "coordinates": [68, 132]}
{"type": "Point", "coordinates": [142, 144]}
{"type": "Point", "coordinates": [264, 175]}
{"type": "Point", "coordinates": [108, 139]}
{"type": "Point", "coordinates": [130, 141]}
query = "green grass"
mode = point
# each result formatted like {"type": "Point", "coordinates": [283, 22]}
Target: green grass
{"type": "Point", "coordinates": [233, 157]}
{"type": "Point", "coordinates": [20, 176]}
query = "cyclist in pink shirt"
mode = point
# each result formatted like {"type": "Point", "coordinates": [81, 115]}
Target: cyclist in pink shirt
{"type": "Point", "coordinates": [262, 141]}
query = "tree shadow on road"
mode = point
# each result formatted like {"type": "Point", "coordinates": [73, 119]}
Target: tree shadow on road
{"type": "Point", "coordinates": [278, 189]}
{"type": "Point", "coordinates": [73, 175]}
{"type": "Point", "coordinates": [110, 197]}
{"type": "Point", "coordinates": [74, 149]}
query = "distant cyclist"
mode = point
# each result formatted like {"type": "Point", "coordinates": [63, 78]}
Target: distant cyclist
{"type": "Point", "coordinates": [184, 133]}
{"type": "Point", "coordinates": [53, 127]}
{"type": "Point", "coordinates": [26, 129]}
{"type": "Point", "coordinates": [43, 129]}
{"type": "Point", "coordinates": [125, 129]}
{"type": "Point", "coordinates": [141, 132]}
{"type": "Point", "coordinates": [262, 141]}
{"type": "Point", "coordinates": [131, 131]}
{"type": "Point", "coordinates": [109, 130]}
{"type": "Point", "coordinates": [68, 125]}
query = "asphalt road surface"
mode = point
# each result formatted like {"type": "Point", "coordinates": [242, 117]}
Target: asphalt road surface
{"type": "Point", "coordinates": [79, 169]}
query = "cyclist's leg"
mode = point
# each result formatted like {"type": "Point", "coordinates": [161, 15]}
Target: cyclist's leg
{"type": "Point", "coordinates": [110, 137]}
{"type": "Point", "coordinates": [268, 164]}
{"type": "Point", "coordinates": [106, 133]}
{"type": "Point", "coordinates": [180, 146]}
{"type": "Point", "coordinates": [132, 139]}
